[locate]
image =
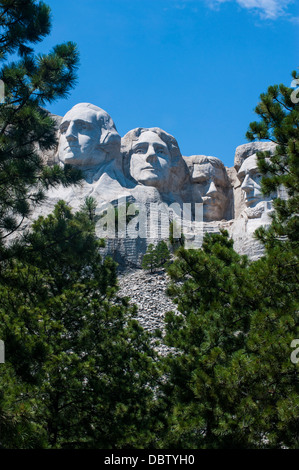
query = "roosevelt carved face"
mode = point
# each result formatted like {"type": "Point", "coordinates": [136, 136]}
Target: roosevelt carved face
{"type": "Point", "coordinates": [85, 132]}
{"type": "Point", "coordinates": [211, 184]}
{"type": "Point", "coordinates": [150, 160]}
{"type": "Point", "coordinates": [250, 179]}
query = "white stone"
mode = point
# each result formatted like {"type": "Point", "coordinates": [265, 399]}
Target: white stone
{"type": "Point", "coordinates": [88, 137]}
{"type": "Point", "coordinates": [211, 186]}
{"type": "Point", "coordinates": [246, 150]}
{"type": "Point", "coordinates": [152, 158]}
{"type": "Point", "coordinates": [146, 168]}
{"type": "Point", "coordinates": [257, 209]}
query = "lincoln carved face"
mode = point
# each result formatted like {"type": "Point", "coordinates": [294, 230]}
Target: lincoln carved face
{"type": "Point", "coordinates": [87, 136]}
{"type": "Point", "coordinates": [250, 179]}
{"type": "Point", "coordinates": [209, 176]}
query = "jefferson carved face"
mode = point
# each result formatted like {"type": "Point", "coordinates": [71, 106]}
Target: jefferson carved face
{"type": "Point", "coordinates": [84, 134]}
{"type": "Point", "coordinates": [250, 179]}
{"type": "Point", "coordinates": [150, 160]}
{"type": "Point", "coordinates": [211, 184]}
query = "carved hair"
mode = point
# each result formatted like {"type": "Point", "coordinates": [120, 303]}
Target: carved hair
{"type": "Point", "coordinates": [201, 159]}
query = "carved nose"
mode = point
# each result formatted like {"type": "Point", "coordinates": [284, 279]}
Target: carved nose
{"type": "Point", "coordinates": [71, 133]}
{"type": "Point", "coordinates": [151, 155]}
{"type": "Point", "coordinates": [212, 189]}
{"type": "Point", "coordinates": [247, 184]}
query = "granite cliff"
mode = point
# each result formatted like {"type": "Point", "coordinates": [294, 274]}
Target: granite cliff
{"type": "Point", "coordinates": [145, 175]}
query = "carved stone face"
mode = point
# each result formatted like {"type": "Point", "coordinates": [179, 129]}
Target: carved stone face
{"type": "Point", "coordinates": [81, 141]}
{"type": "Point", "coordinates": [250, 179]}
{"type": "Point", "coordinates": [150, 160]}
{"type": "Point", "coordinates": [211, 184]}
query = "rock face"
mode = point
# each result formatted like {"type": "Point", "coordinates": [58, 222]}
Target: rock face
{"type": "Point", "coordinates": [146, 177]}
{"type": "Point", "coordinates": [252, 208]}
{"type": "Point", "coordinates": [211, 185]}
{"type": "Point", "coordinates": [152, 158]}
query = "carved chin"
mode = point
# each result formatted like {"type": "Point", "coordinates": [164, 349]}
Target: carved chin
{"type": "Point", "coordinates": [214, 203]}
{"type": "Point", "coordinates": [211, 202]}
{"type": "Point", "coordinates": [71, 159]}
{"type": "Point", "coordinates": [212, 213]}
{"type": "Point", "coordinates": [149, 178]}
{"type": "Point", "coordinates": [70, 152]}
{"type": "Point", "coordinates": [213, 209]}
{"type": "Point", "coordinates": [78, 158]}
{"type": "Point", "coordinates": [151, 182]}
{"type": "Point", "coordinates": [252, 201]}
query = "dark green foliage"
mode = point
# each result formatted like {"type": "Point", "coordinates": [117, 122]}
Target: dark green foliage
{"type": "Point", "coordinates": [156, 257]}
{"type": "Point", "coordinates": [87, 367]}
{"type": "Point", "coordinates": [279, 123]}
{"type": "Point", "coordinates": [212, 292]}
{"type": "Point", "coordinates": [149, 259]}
{"type": "Point", "coordinates": [22, 22]}
{"type": "Point", "coordinates": [26, 129]}
{"type": "Point", "coordinates": [162, 254]}
{"type": "Point", "coordinates": [231, 381]}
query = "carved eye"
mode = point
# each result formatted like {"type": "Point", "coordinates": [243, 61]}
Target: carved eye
{"type": "Point", "coordinates": [139, 150]}
{"type": "Point", "coordinates": [63, 130]}
{"type": "Point", "coordinates": [202, 181]}
{"type": "Point", "coordinates": [82, 125]}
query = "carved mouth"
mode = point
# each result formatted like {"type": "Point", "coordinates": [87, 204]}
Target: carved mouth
{"type": "Point", "coordinates": [71, 147]}
{"type": "Point", "coordinates": [250, 198]}
{"type": "Point", "coordinates": [250, 201]}
{"type": "Point", "coordinates": [212, 201]}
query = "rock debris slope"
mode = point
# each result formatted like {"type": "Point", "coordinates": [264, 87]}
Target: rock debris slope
{"type": "Point", "coordinates": [148, 292]}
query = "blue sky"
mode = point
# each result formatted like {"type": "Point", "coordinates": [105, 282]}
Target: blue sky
{"type": "Point", "coordinates": [195, 68]}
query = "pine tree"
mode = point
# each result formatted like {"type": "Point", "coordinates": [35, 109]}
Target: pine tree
{"type": "Point", "coordinates": [26, 128]}
{"type": "Point", "coordinates": [162, 254]}
{"type": "Point", "coordinates": [213, 295]}
{"type": "Point", "coordinates": [231, 381]}
{"type": "Point", "coordinates": [279, 117]}
{"type": "Point", "coordinates": [149, 258]}
{"type": "Point", "coordinates": [156, 256]}
{"type": "Point", "coordinates": [87, 367]}
{"type": "Point", "coordinates": [278, 272]}
{"type": "Point", "coordinates": [30, 81]}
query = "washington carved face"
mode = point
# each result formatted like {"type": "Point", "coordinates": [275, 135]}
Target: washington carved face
{"type": "Point", "coordinates": [150, 160]}
{"type": "Point", "coordinates": [250, 179]}
{"type": "Point", "coordinates": [81, 139]}
{"type": "Point", "coordinates": [211, 183]}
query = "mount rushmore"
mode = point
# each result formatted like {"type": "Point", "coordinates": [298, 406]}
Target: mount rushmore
{"type": "Point", "coordinates": [146, 171]}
